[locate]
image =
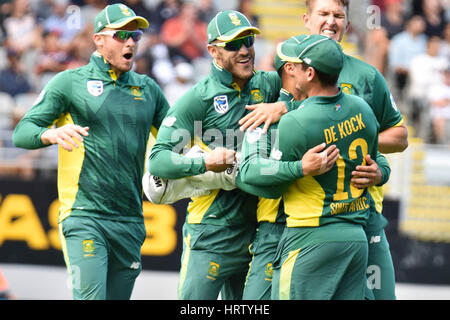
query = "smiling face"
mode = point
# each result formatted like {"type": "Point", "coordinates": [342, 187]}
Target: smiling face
{"type": "Point", "coordinates": [120, 55]}
{"type": "Point", "coordinates": [239, 63]}
{"type": "Point", "coordinates": [328, 18]}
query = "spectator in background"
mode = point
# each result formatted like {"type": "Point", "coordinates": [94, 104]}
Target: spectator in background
{"type": "Point", "coordinates": [165, 10]}
{"type": "Point", "coordinates": [22, 31]}
{"type": "Point", "coordinates": [42, 9]}
{"type": "Point", "coordinates": [445, 43]}
{"type": "Point", "coordinates": [425, 73]}
{"type": "Point", "coordinates": [185, 33]}
{"type": "Point", "coordinates": [16, 162]}
{"type": "Point", "coordinates": [90, 10]}
{"type": "Point", "coordinates": [439, 98]}
{"type": "Point", "coordinates": [13, 79]}
{"type": "Point", "coordinates": [154, 58]}
{"type": "Point", "coordinates": [53, 58]}
{"type": "Point", "coordinates": [206, 10]}
{"type": "Point", "coordinates": [5, 11]}
{"type": "Point", "coordinates": [246, 7]}
{"type": "Point", "coordinates": [80, 50]}
{"type": "Point", "coordinates": [182, 83]}
{"type": "Point", "coordinates": [403, 48]}
{"type": "Point", "coordinates": [392, 22]}
{"type": "Point", "coordinates": [434, 16]}
{"type": "Point", "coordinates": [139, 8]}
{"type": "Point", "coordinates": [58, 22]}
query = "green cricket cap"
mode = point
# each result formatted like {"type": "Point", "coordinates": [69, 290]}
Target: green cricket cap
{"type": "Point", "coordinates": [320, 52]}
{"type": "Point", "coordinates": [227, 25]}
{"type": "Point", "coordinates": [116, 16]}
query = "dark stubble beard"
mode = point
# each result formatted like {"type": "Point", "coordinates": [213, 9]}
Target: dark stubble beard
{"type": "Point", "coordinates": [238, 72]}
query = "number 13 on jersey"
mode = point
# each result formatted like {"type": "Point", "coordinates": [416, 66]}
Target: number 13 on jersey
{"type": "Point", "coordinates": [352, 192]}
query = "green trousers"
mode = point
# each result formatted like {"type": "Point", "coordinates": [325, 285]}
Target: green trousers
{"type": "Point", "coordinates": [380, 268]}
{"type": "Point", "coordinates": [103, 256]}
{"type": "Point", "coordinates": [215, 260]}
{"type": "Point", "coordinates": [258, 285]}
{"type": "Point", "coordinates": [322, 263]}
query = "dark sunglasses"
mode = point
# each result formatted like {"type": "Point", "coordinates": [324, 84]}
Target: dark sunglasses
{"type": "Point", "coordinates": [236, 44]}
{"type": "Point", "coordinates": [123, 35]}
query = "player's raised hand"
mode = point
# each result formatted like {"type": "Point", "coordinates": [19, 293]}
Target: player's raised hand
{"type": "Point", "coordinates": [67, 136]}
{"type": "Point", "coordinates": [367, 175]}
{"type": "Point", "coordinates": [317, 161]}
{"type": "Point", "coordinates": [219, 159]}
{"type": "Point", "coordinates": [266, 113]}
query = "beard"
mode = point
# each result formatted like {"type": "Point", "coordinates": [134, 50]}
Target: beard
{"type": "Point", "coordinates": [239, 70]}
{"type": "Point", "coordinates": [117, 61]}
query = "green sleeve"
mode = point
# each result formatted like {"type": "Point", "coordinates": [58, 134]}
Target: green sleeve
{"type": "Point", "coordinates": [260, 172]}
{"type": "Point", "coordinates": [176, 131]}
{"type": "Point", "coordinates": [51, 103]}
{"type": "Point", "coordinates": [383, 104]}
{"type": "Point", "coordinates": [292, 138]}
{"type": "Point", "coordinates": [384, 167]}
{"type": "Point", "coordinates": [162, 106]}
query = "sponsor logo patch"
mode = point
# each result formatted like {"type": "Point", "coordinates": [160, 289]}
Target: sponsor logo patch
{"type": "Point", "coordinates": [88, 248]}
{"type": "Point", "coordinates": [221, 104]}
{"type": "Point", "coordinates": [254, 135]}
{"type": "Point", "coordinates": [213, 270]}
{"type": "Point", "coordinates": [347, 88]}
{"type": "Point", "coordinates": [268, 272]}
{"type": "Point", "coordinates": [169, 121]}
{"type": "Point", "coordinates": [257, 96]}
{"type": "Point", "coordinates": [95, 87]}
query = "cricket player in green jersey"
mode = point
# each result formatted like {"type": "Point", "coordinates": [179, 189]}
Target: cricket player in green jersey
{"type": "Point", "coordinates": [323, 251]}
{"type": "Point", "coordinates": [103, 114]}
{"type": "Point", "coordinates": [330, 18]}
{"type": "Point", "coordinates": [270, 213]}
{"type": "Point", "coordinates": [220, 225]}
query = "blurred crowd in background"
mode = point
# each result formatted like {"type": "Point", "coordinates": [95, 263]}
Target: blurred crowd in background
{"type": "Point", "coordinates": [39, 38]}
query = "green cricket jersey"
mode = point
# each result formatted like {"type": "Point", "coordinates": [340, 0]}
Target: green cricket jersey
{"type": "Point", "coordinates": [364, 80]}
{"type": "Point", "coordinates": [346, 121]}
{"type": "Point", "coordinates": [208, 114]}
{"type": "Point", "coordinates": [343, 120]}
{"type": "Point", "coordinates": [263, 176]}
{"type": "Point", "coordinates": [261, 172]}
{"type": "Point", "coordinates": [102, 178]}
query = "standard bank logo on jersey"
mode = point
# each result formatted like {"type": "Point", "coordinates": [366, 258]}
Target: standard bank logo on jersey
{"type": "Point", "coordinates": [221, 104]}
{"type": "Point", "coordinates": [95, 87]}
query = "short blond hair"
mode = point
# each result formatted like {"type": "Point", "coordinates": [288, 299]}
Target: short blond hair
{"type": "Point", "coordinates": [345, 3]}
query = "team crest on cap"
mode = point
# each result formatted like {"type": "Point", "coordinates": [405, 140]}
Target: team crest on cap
{"type": "Point", "coordinates": [125, 10]}
{"type": "Point", "coordinates": [95, 87]}
{"type": "Point", "coordinates": [221, 104]}
{"type": "Point", "coordinates": [234, 19]}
